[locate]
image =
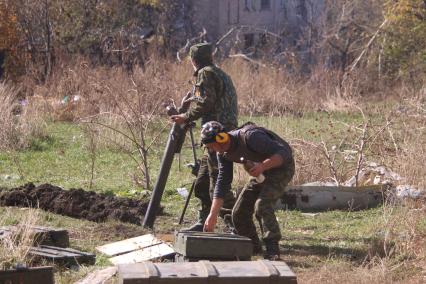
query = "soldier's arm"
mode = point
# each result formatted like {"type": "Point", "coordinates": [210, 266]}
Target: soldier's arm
{"type": "Point", "coordinates": [224, 177]}
{"type": "Point", "coordinates": [223, 184]}
{"type": "Point", "coordinates": [207, 96]}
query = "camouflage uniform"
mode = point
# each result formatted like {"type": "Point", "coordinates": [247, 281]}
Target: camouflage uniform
{"type": "Point", "coordinates": [214, 99]}
{"type": "Point", "coordinates": [259, 198]}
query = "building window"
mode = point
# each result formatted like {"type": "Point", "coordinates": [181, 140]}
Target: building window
{"type": "Point", "coordinates": [246, 6]}
{"type": "Point", "coordinates": [248, 40]}
{"type": "Point", "coordinates": [265, 5]}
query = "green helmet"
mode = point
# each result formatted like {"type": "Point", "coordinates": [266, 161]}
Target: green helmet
{"type": "Point", "coordinates": [210, 130]}
{"type": "Point", "coordinates": [201, 53]}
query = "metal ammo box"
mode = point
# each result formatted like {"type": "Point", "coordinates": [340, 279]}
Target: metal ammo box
{"type": "Point", "coordinates": [203, 272]}
{"type": "Point", "coordinates": [194, 246]}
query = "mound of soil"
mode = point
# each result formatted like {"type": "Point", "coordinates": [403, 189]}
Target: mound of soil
{"type": "Point", "coordinates": [76, 203]}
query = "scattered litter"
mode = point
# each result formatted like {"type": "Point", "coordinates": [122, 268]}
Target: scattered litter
{"type": "Point", "coordinates": [310, 214]}
{"type": "Point", "coordinates": [23, 102]}
{"type": "Point", "coordinates": [373, 174]}
{"type": "Point", "coordinates": [10, 177]}
{"type": "Point", "coordinates": [304, 232]}
{"type": "Point", "coordinates": [65, 100]}
{"type": "Point", "coordinates": [182, 191]}
{"type": "Point", "coordinates": [403, 191]}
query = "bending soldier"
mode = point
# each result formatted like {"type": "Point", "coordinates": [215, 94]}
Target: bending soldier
{"type": "Point", "coordinates": [214, 98]}
{"type": "Point", "coordinates": [272, 157]}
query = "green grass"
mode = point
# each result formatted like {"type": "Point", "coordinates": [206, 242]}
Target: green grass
{"type": "Point", "coordinates": [62, 158]}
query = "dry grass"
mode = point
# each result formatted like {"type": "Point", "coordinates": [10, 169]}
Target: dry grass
{"type": "Point", "coordinates": [20, 124]}
{"type": "Point", "coordinates": [14, 248]}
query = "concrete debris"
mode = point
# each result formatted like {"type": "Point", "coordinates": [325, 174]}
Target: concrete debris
{"type": "Point", "coordinates": [374, 174]}
{"type": "Point", "coordinates": [407, 191]}
{"type": "Point", "coordinates": [323, 198]}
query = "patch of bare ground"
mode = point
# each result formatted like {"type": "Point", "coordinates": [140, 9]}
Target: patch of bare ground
{"type": "Point", "coordinates": [76, 203]}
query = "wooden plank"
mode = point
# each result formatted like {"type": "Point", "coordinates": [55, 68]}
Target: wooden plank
{"type": "Point", "coordinates": [129, 245]}
{"type": "Point", "coordinates": [41, 235]}
{"type": "Point", "coordinates": [149, 253]}
{"type": "Point", "coordinates": [63, 256]}
{"type": "Point", "coordinates": [99, 276]}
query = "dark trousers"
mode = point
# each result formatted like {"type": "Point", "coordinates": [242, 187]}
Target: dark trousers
{"type": "Point", "coordinates": [259, 199]}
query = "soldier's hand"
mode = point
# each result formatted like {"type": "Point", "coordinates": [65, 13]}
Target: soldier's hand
{"type": "Point", "coordinates": [186, 100]}
{"type": "Point", "coordinates": [257, 169]}
{"type": "Point", "coordinates": [210, 223]}
{"type": "Point", "coordinates": [179, 118]}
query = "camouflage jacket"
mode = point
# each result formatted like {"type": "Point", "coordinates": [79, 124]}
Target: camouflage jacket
{"type": "Point", "coordinates": [215, 98]}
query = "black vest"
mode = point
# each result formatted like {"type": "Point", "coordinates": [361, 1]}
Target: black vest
{"type": "Point", "coordinates": [240, 148]}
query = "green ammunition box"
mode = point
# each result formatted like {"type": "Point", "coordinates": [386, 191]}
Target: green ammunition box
{"type": "Point", "coordinates": [212, 246]}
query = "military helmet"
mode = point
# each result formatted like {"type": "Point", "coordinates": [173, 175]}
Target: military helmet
{"type": "Point", "coordinates": [210, 130]}
{"type": "Point", "coordinates": [201, 53]}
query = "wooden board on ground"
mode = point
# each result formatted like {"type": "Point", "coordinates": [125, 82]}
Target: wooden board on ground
{"type": "Point", "coordinates": [28, 276]}
{"type": "Point", "coordinates": [149, 253]}
{"type": "Point", "coordinates": [63, 256]}
{"type": "Point", "coordinates": [129, 245]}
{"type": "Point", "coordinates": [41, 235]}
{"type": "Point", "coordinates": [99, 276]}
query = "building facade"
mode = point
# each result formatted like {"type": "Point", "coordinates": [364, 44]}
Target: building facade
{"type": "Point", "coordinates": [283, 17]}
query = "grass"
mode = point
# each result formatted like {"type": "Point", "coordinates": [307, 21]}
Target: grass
{"type": "Point", "coordinates": [63, 159]}
{"type": "Point", "coordinates": [335, 246]}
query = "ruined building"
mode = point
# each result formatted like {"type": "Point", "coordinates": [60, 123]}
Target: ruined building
{"type": "Point", "coordinates": [287, 18]}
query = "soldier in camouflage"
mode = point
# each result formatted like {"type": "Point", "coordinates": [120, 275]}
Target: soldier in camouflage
{"type": "Point", "coordinates": [213, 98]}
{"type": "Point", "coordinates": [271, 157]}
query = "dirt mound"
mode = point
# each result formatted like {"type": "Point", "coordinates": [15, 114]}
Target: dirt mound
{"type": "Point", "coordinates": [76, 203]}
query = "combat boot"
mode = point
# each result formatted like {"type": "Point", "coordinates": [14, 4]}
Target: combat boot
{"type": "Point", "coordinates": [272, 250]}
{"type": "Point", "coordinates": [199, 226]}
{"type": "Point", "coordinates": [257, 247]}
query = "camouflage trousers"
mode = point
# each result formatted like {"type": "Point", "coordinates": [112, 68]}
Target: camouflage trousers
{"type": "Point", "coordinates": [259, 199]}
{"type": "Point", "coordinates": [205, 183]}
